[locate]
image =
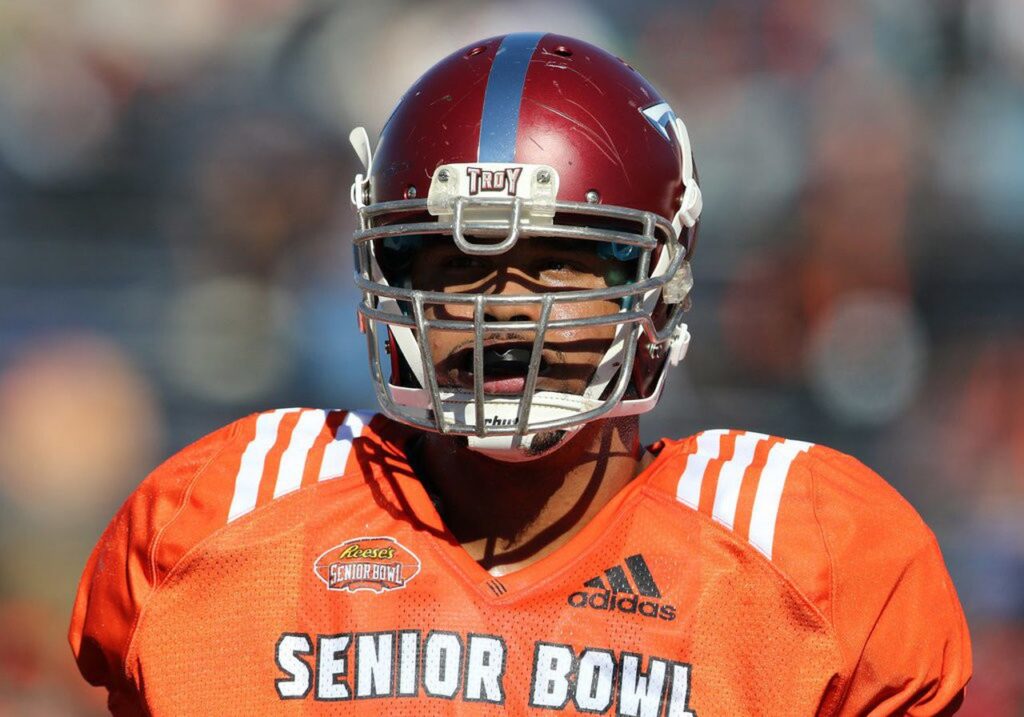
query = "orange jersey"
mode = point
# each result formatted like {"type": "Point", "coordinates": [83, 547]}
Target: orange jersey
{"type": "Point", "coordinates": [292, 564]}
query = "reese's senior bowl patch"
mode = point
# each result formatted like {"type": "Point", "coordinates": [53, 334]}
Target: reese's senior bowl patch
{"type": "Point", "coordinates": [371, 563]}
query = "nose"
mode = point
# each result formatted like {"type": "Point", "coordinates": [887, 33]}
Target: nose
{"type": "Point", "coordinates": [511, 283]}
{"type": "Point", "coordinates": [510, 312]}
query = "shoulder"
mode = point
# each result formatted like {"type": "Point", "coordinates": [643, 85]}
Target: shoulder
{"type": "Point", "coordinates": [849, 543]}
{"type": "Point", "coordinates": [199, 491]}
{"type": "Point", "coordinates": [789, 499]}
{"type": "Point", "coordinates": [242, 467]}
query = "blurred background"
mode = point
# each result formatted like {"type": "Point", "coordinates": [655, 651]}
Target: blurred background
{"type": "Point", "coordinates": [173, 254]}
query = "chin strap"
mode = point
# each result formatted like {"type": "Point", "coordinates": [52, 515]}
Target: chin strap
{"type": "Point", "coordinates": [692, 202]}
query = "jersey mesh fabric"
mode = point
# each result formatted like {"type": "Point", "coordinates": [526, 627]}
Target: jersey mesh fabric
{"type": "Point", "coordinates": [207, 645]}
{"type": "Point", "coordinates": [651, 579]}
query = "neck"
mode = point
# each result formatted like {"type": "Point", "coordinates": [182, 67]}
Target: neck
{"type": "Point", "coordinates": [508, 515]}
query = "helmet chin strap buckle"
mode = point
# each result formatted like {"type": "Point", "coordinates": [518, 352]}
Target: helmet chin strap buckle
{"type": "Point", "coordinates": [360, 191]}
{"type": "Point", "coordinates": [678, 345]}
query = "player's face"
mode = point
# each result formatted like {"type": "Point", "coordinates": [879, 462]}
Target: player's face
{"type": "Point", "coordinates": [533, 266]}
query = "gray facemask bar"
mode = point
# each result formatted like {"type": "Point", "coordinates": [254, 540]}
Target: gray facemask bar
{"type": "Point", "coordinates": [509, 232]}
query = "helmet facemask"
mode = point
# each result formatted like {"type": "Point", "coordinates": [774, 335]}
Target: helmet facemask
{"type": "Point", "coordinates": [486, 209]}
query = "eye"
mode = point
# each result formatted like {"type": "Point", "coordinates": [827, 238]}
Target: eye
{"type": "Point", "coordinates": [461, 261]}
{"type": "Point", "coordinates": [403, 243]}
{"type": "Point", "coordinates": [618, 252]}
{"type": "Point", "coordinates": [558, 265]}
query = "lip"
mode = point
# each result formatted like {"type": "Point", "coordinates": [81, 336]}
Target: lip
{"type": "Point", "coordinates": [505, 386]}
{"type": "Point", "coordinates": [502, 386]}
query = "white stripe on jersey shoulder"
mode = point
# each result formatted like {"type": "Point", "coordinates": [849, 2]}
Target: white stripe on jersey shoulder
{"type": "Point", "coordinates": [769, 493]}
{"type": "Point", "coordinates": [770, 481]}
{"type": "Point", "coordinates": [308, 427]}
{"type": "Point", "coordinates": [250, 471]}
{"type": "Point", "coordinates": [293, 462]}
{"type": "Point", "coordinates": [730, 480]}
{"type": "Point", "coordinates": [336, 452]}
{"type": "Point", "coordinates": [709, 445]}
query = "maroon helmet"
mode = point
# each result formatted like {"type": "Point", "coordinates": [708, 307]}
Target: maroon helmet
{"type": "Point", "coordinates": [527, 135]}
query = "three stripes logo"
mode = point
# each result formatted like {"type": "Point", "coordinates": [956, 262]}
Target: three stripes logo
{"type": "Point", "coordinates": [640, 596]}
{"type": "Point", "coordinates": [293, 447]}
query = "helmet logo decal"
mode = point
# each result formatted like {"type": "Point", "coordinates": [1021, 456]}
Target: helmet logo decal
{"type": "Point", "coordinates": [661, 117]}
{"type": "Point", "coordinates": [499, 180]}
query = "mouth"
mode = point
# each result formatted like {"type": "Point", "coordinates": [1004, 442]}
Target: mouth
{"type": "Point", "coordinates": [506, 366]}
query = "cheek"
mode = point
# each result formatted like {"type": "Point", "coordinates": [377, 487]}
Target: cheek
{"type": "Point", "coordinates": [443, 342]}
{"type": "Point", "coordinates": [589, 339]}
{"type": "Point", "coordinates": [591, 308]}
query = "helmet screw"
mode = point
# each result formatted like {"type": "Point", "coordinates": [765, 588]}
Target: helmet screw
{"type": "Point", "coordinates": [593, 196]}
{"type": "Point", "coordinates": [543, 176]}
{"type": "Point", "coordinates": [655, 351]}
{"type": "Point", "coordinates": [442, 176]}
{"type": "Point", "coordinates": [410, 192]}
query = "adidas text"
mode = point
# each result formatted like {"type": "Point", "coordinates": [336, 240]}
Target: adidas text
{"type": "Point", "coordinates": [608, 600]}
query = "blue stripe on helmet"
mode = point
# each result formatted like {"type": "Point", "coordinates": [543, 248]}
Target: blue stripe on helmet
{"type": "Point", "coordinates": [500, 119]}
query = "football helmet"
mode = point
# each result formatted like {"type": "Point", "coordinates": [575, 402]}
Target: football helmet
{"type": "Point", "coordinates": [515, 137]}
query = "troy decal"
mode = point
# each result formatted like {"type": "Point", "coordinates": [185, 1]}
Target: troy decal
{"type": "Point", "coordinates": [497, 180]}
{"type": "Point", "coordinates": [371, 563]}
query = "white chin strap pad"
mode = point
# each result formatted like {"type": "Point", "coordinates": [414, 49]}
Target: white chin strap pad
{"type": "Point", "coordinates": [504, 412]}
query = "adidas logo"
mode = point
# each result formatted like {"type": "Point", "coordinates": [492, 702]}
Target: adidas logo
{"type": "Point", "coordinates": [618, 593]}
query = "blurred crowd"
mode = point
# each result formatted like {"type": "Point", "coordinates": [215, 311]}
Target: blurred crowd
{"type": "Point", "coordinates": [173, 254]}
